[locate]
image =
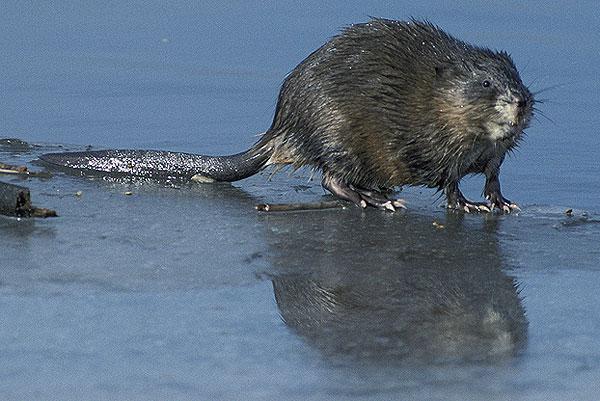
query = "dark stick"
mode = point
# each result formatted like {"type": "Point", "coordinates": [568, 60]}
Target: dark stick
{"type": "Point", "coordinates": [287, 207]}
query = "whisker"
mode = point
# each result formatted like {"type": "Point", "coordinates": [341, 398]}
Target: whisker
{"type": "Point", "coordinates": [532, 83]}
{"type": "Point", "coordinates": [535, 101]}
{"type": "Point", "coordinates": [541, 114]}
{"type": "Point", "coordinates": [549, 88]}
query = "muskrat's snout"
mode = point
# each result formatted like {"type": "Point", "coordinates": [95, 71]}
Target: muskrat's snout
{"type": "Point", "coordinates": [512, 113]}
{"type": "Point", "coordinates": [524, 102]}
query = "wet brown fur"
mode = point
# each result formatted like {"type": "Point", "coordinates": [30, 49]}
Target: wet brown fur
{"type": "Point", "coordinates": [390, 103]}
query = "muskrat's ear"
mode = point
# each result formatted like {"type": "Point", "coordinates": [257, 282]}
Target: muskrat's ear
{"type": "Point", "coordinates": [448, 71]}
{"type": "Point", "coordinates": [445, 70]}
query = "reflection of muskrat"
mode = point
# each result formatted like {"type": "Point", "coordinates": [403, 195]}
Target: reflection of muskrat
{"type": "Point", "coordinates": [383, 104]}
{"type": "Point", "coordinates": [406, 294]}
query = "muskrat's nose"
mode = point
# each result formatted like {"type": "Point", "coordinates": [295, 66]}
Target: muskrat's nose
{"type": "Point", "coordinates": [521, 102]}
{"type": "Point", "coordinates": [519, 98]}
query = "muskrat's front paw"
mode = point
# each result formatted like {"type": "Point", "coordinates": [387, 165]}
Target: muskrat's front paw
{"type": "Point", "coordinates": [502, 204]}
{"type": "Point", "coordinates": [470, 207]}
{"type": "Point", "coordinates": [362, 197]}
{"type": "Point", "coordinates": [507, 206]}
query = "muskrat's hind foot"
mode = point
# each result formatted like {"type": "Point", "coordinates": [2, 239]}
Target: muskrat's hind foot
{"type": "Point", "coordinates": [361, 197]}
{"type": "Point", "coordinates": [378, 199]}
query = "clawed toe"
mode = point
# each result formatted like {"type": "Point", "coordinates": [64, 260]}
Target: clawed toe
{"type": "Point", "coordinates": [503, 204]}
{"type": "Point", "coordinates": [470, 207]}
{"type": "Point", "coordinates": [474, 207]}
{"type": "Point", "coordinates": [514, 207]}
{"type": "Point", "coordinates": [388, 204]}
{"type": "Point", "coordinates": [485, 208]}
{"type": "Point", "coordinates": [457, 201]}
{"type": "Point", "coordinates": [508, 207]}
{"type": "Point", "coordinates": [394, 204]}
{"type": "Point", "coordinates": [399, 203]}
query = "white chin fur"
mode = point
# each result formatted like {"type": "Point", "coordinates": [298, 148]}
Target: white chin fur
{"type": "Point", "coordinates": [498, 131]}
{"type": "Point", "coordinates": [505, 124]}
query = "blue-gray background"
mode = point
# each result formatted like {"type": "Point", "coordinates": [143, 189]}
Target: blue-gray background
{"type": "Point", "coordinates": [167, 294]}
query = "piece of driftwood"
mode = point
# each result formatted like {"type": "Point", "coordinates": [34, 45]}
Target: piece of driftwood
{"type": "Point", "coordinates": [22, 170]}
{"type": "Point", "coordinates": [287, 207]}
{"type": "Point", "coordinates": [10, 169]}
{"type": "Point", "coordinates": [15, 200]}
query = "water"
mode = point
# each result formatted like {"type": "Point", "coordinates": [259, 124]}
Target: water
{"type": "Point", "coordinates": [185, 292]}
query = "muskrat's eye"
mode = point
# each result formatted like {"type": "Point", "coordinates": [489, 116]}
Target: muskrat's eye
{"type": "Point", "coordinates": [486, 84]}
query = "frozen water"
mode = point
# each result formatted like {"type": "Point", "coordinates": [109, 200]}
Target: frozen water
{"type": "Point", "coordinates": [186, 292]}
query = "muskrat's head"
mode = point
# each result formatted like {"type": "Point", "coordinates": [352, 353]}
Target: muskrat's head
{"type": "Point", "coordinates": [484, 95]}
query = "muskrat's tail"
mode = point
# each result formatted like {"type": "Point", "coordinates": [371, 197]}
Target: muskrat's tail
{"type": "Point", "coordinates": [165, 165]}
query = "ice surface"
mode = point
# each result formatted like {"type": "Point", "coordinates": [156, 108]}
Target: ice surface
{"type": "Point", "coordinates": [186, 292]}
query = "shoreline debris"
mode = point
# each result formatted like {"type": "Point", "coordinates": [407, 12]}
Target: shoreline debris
{"type": "Point", "coordinates": [15, 200]}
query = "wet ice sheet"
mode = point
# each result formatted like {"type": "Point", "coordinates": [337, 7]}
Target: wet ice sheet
{"type": "Point", "coordinates": [186, 292]}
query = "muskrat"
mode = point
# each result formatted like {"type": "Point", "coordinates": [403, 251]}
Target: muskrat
{"type": "Point", "coordinates": [381, 105]}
